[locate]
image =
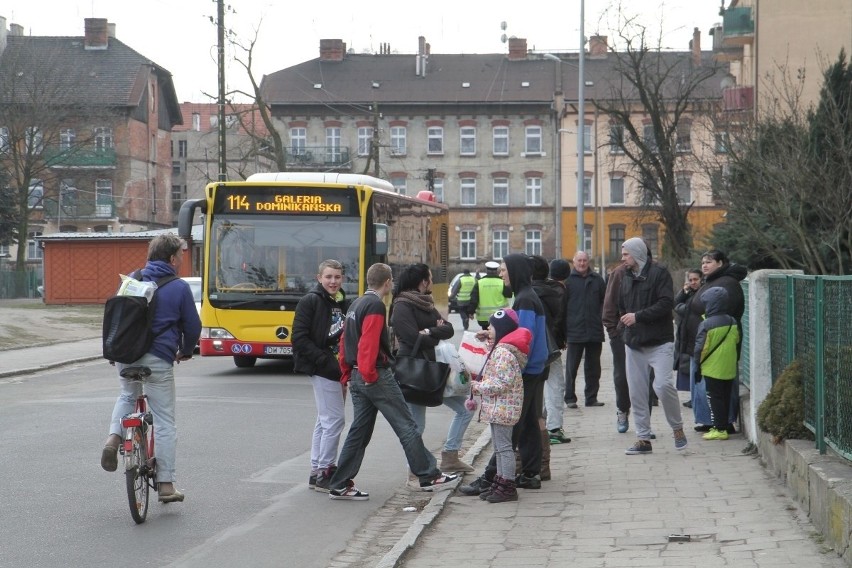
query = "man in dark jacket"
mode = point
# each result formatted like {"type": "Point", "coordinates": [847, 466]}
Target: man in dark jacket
{"type": "Point", "coordinates": [585, 290]}
{"type": "Point", "coordinates": [317, 326]}
{"type": "Point", "coordinates": [365, 363]}
{"type": "Point", "coordinates": [646, 300]}
{"type": "Point", "coordinates": [516, 271]}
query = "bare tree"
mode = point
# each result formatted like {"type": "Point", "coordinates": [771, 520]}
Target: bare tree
{"type": "Point", "coordinates": [789, 186]}
{"type": "Point", "coordinates": [651, 102]}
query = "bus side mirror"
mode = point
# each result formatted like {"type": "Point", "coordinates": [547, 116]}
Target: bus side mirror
{"type": "Point", "coordinates": [381, 239]}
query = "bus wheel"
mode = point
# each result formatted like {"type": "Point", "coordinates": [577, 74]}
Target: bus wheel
{"type": "Point", "coordinates": [242, 361]}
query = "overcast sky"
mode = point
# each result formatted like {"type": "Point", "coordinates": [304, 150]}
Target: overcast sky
{"type": "Point", "coordinates": [179, 36]}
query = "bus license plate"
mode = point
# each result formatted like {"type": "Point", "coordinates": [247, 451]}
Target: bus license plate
{"type": "Point", "coordinates": [277, 350]}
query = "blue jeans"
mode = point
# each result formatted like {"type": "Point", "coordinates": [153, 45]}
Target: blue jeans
{"type": "Point", "coordinates": [368, 400]}
{"type": "Point", "coordinates": [160, 388]}
{"type": "Point", "coordinates": [457, 427]}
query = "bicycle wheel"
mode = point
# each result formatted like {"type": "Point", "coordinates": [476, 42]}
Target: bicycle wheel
{"type": "Point", "coordinates": [136, 477]}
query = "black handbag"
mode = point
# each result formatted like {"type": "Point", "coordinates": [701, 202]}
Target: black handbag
{"type": "Point", "coordinates": [421, 381]}
{"type": "Point", "coordinates": [553, 350]}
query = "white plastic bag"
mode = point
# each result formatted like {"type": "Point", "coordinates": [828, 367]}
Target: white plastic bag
{"type": "Point", "coordinates": [473, 353]}
{"type": "Point", "coordinates": [132, 287]}
{"type": "Point", "coordinates": [458, 383]}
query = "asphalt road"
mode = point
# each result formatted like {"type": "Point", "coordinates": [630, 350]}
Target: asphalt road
{"type": "Point", "coordinates": [243, 461]}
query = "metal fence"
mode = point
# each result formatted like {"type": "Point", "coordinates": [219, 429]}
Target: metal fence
{"type": "Point", "coordinates": [810, 320]}
{"type": "Point", "coordinates": [745, 352]}
{"type": "Point", "coordinates": [20, 283]}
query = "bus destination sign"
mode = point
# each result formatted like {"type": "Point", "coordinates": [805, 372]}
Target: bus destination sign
{"type": "Point", "coordinates": [283, 200]}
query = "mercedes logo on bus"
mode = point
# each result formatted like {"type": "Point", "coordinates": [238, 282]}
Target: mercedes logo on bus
{"type": "Point", "coordinates": [282, 333]}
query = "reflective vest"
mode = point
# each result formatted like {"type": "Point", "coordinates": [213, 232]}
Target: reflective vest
{"type": "Point", "coordinates": [491, 297]}
{"type": "Point", "coordinates": [466, 284]}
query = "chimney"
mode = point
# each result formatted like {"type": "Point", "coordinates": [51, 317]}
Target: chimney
{"type": "Point", "coordinates": [695, 46]}
{"type": "Point", "coordinates": [332, 49]}
{"type": "Point", "coordinates": [517, 49]}
{"type": "Point", "coordinates": [597, 46]}
{"type": "Point", "coordinates": [111, 30]}
{"type": "Point", "coordinates": [421, 45]}
{"type": "Point", "coordinates": [16, 30]}
{"type": "Point", "coordinates": [96, 33]}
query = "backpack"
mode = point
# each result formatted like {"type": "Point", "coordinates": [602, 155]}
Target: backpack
{"type": "Point", "coordinates": [127, 333]}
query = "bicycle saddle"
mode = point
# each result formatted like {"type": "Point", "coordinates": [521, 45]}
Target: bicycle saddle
{"type": "Point", "coordinates": [136, 372]}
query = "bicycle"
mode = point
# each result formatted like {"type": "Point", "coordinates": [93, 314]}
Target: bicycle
{"type": "Point", "coordinates": [140, 465]}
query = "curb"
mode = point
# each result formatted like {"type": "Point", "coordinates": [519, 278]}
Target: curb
{"type": "Point", "coordinates": [430, 512]}
{"type": "Point", "coordinates": [48, 366]}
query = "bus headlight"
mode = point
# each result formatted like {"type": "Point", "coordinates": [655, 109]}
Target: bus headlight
{"type": "Point", "coordinates": [215, 333]}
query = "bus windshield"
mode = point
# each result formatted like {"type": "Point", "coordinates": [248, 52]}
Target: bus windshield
{"type": "Point", "coordinates": [278, 256]}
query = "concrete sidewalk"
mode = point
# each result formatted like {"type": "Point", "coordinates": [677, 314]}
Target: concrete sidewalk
{"type": "Point", "coordinates": [607, 509]}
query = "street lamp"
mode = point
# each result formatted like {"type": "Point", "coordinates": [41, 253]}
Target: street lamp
{"type": "Point", "coordinates": [581, 130]}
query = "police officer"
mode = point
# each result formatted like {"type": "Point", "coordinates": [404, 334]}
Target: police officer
{"type": "Point", "coordinates": [489, 294]}
{"type": "Point", "coordinates": [461, 292]}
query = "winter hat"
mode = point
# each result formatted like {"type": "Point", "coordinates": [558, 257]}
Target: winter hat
{"type": "Point", "coordinates": [503, 322]}
{"type": "Point", "coordinates": [637, 248]}
{"type": "Point", "coordinates": [559, 269]}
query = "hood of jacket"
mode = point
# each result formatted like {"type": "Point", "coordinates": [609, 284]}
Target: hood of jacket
{"type": "Point", "coordinates": [156, 269]}
{"type": "Point", "coordinates": [321, 292]}
{"type": "Point", "coordinates": [715, 301]}
{"type": "Point", "coordinates": [520, 272]}
{"type": "Point", "coordinates": [520, 338]}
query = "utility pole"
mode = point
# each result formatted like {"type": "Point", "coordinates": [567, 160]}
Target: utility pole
{"type": "Point", "coordinates": [220, 29]}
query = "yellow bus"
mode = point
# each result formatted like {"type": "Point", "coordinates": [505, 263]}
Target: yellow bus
{"type": "Point", "coordinates": [264, 238]}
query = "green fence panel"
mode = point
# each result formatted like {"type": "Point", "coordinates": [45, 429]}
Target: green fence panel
{"type": "Point", "coordinates": [777, 324]}
{"type": "Point", "coordinates": [804, 323]}
{"type": "Point", "coordinates": [837, 363]}
{"type": "Point", "coordinates": [745, 352]}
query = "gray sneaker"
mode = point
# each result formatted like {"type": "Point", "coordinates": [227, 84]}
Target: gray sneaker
{"type": "Point", "coordinates": [622, 424]}
{"type": "Point", "coordinates": [640, 447]}
{"type": "Point", "coordinates": [680, 439]}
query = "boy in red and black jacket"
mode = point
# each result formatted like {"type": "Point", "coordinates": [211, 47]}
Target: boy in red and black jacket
{"type": "Point", "coordinates": [365, 362]}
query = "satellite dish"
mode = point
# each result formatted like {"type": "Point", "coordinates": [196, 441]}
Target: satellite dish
{"type": "Point", "coordinates": [503, 38]}
{"type": "Point", "coordinates": [728, 81]}
{"type": "Point", "coordinates": [503, 26]}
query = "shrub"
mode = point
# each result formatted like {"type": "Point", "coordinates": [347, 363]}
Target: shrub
{"type": "Point", "coordinates": [782, 413]}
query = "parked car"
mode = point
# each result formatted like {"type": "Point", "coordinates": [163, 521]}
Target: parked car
{"type": "Point", "coordinates": [453, 306]}
{"type": "Point", "coordinates": [195, 285]}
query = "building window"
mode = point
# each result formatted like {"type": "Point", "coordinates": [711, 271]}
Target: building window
{"type": "Point", "coordinates": [501, 191]}
{"type": "Point", "coordinates": [587, 238]}
{"type": "Point", "coordinates": [468, 191]}
{"type": "Point", "coordinates": [103, 198]}
{"type": "Point", "coordinates": [435, 135]}
{"type": "Point", "coordinates": [103, 138]}
{"type": "Point", "coordinates": [67, 196]}
{"type": "Point", "coordinates": [66, 138]}
{"type": "Point", "coordinates": [650, 234]}
{"type": "Point", "coordinates": [178, 194]}
{"type": "Point", "coordinates": [501, 140]}
{"type": "Point", "coordinates": [587, 138]}
{"type": "Point", "coordinates": [587, 191]}
{"type": "Point", "coordinates": [533, 193]}
{"type": "Point", "coordinates": [35, 195]}
{"type": "Point", "coordinates": [723, 142]}
{"type": "Point", "coordinates": [4, 139]}
{"type": "Point", "coordinates": [182, 148]}
{"type": "Point", "coordinates": [683, 137]}
{"type": "Point", "coordinates": [397, 140]}
{"type": "Point", "coordinates": [4, 251]}
{"type": "Point", "coordinates": [438, 189]}
{"type": "Point", "coordinates": [532, 140]}
{"type": "Point", "coordinates": [616, 191]}
{"type": "Point", "coordinates": [34, 140]}
{"type": "Point", "coordinates": [365, 140]}
{"type": "Point", "coordinates": [616, 239]}
{"type": "Point", "coordinates": [467, 141]}
{"type": "Point", "coordinates": [332, 142]}
{"type": "Point", "coordinates": [177, 168]}
{"type": "Point", "coordinates": [683, 185]}
{"type": "Point", "coordinates": [399, 183]}
{"type": "Point", "coordinates": [648, 137]}
{"type": "Point", "coordinates": [298, 140]}
{"type": "Point", "coordinates": [196, 121]}
{"type": "Point", "coordinates": [34, 252]}
{"type": "Point", "coordinates": [467, 242]}
{"type": "Point", "coordinates": [616, 139]}
{"type": "Point", "coordinates": [501, 243]}
{"type": "Point", "coordinates": [532, 242]}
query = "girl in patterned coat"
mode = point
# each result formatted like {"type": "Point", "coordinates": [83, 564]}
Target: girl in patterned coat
{"type": "Point", "coordinates": [501, 389]}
